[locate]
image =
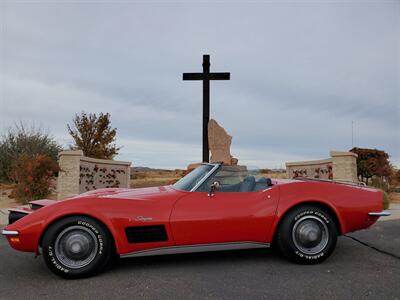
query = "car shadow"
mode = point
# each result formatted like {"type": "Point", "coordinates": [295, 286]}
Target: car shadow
{"type": "Point", "coordinates": [219, 258]}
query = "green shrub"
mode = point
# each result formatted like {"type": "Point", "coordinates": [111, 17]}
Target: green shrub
{"type": "Point", "coordinates": [28, 141]}
{"type": "Point", "coordinates": [34, 177]}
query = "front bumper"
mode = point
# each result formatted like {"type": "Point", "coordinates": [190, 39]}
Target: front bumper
{"type": "Point", "coordinates": [21, 241]}
{"type": "Point", "coordinates": [9, 232]}
{"type": "Point", "coordinates": [379, 214]}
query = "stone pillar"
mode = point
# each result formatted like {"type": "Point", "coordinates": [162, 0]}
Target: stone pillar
{"type": "Point", "coordinates": [68, 178]}
{"type": "Point", "coordinates": [344, 166]}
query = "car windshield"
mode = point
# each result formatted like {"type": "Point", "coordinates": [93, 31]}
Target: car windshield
{"type": "Point", "coordinates": [188, 182]}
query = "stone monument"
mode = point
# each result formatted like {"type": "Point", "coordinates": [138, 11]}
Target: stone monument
{"type": "Point", "coordinates": [220, 143]}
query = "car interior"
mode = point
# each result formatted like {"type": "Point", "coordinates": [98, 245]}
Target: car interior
{"type": "Point", "coordinates": [249, 184]}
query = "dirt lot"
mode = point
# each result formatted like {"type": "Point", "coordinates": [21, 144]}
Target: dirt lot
{"type": "Point", "coordinates": [5, 201]}
{"type": "Point", "coordinates": [155, 178]}
{"type": "Point", "coordinates": [272, 174]}
{"type": "Point", "coordinates": [394, 197]}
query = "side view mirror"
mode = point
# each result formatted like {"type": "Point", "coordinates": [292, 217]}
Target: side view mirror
{"type": "Point", "coordinates": [214, 187]}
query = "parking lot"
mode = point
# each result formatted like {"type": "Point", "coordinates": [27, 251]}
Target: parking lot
{"type": "Point", "coordinates": [367, 269]}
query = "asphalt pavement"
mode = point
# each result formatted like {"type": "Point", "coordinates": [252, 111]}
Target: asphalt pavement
{"type": "Point", "coordinates": [364, 269]}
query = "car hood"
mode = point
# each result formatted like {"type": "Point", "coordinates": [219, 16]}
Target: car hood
{"type": "Point", "coordinates": [134, 194]}
{"type": "Point", "coordinates": [159, 196]}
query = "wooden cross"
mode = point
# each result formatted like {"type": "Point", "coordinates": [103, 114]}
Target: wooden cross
{"type": "Point", "coordinates": [206, 76]}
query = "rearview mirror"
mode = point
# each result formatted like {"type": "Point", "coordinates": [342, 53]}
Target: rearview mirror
{"type": "Point", "coordinates": [214, 187]}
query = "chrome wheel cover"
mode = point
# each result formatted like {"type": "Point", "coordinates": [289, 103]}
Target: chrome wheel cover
{"type": "Point", "coordinates": [310, 235]}
{"type": "Point", "coordinates": [76, 247]}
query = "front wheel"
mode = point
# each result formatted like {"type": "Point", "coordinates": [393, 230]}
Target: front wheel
{"type": "Point", "coordinates": [307, 235]}
{"type": "Point", "coordinates": [77, 247]}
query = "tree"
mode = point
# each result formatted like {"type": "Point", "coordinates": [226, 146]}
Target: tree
{"type": "Point", "coordinates": [24, 140]}
{"type": "Point", "coordinates": [372, 162]}
{"type": "Point", "coordinates": [94, 135]}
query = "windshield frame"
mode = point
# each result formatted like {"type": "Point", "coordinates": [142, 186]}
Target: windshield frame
{"type": "Point", "coordinates": [214, 169]}
{"type": "Point", "coordinates": [215, 166]}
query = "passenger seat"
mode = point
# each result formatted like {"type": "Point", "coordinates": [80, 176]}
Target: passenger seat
{"type": "Point", "coordinates": [248, 184]}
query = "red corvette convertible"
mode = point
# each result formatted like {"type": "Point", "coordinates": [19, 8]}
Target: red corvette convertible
{"type": "Point", "coordinates": [215, 207]}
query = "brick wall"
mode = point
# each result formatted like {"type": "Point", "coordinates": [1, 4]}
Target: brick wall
{"type": "Point", "coordinates": [80, 174]}
{"type": "Point", "coordinates": [341, 166]}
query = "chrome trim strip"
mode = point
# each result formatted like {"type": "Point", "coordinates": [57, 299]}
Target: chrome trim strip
{"type": "Point", "coordinates": [9, 232]}
{"type": "Point", "coordinates": [197, 248]}
{"type": "Point", "coordinates": [346, 182]}
{"type": "Point", "coordinates": [205, 177]}
{"type": "Point", "coordinates": [379, 214]}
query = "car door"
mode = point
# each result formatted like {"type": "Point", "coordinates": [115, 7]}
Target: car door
{"type": "Point", "coordinates": [224, 217]}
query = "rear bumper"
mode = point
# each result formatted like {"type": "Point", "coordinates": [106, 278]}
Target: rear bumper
{"type": "Point", "coordinates": [379, 214]}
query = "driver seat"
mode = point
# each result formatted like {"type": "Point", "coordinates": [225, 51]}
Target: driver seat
{"type": "Point", "coordinates": [262, 184]}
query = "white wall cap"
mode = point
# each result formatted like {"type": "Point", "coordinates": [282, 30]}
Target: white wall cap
{"type": "Point", "coordinates": [342, 153]}
{"type": "Point", "coordinates": [71, 153]}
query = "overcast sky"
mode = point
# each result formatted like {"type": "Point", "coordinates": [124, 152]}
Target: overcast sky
{"type": "Point", "coordinates": [301, 73]}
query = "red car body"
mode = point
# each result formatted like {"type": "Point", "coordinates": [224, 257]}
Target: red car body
{"type": "Point", "coordinates": [195, 218]}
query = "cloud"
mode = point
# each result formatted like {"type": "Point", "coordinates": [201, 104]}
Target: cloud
{"type": "Point", "coordinates": [301, 73]}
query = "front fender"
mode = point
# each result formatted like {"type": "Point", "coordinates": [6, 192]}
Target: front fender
{"type": "Point", "coordinates": [32, 227]}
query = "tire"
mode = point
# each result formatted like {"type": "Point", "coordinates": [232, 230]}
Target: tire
{"type": "Point", "coordinates": [77, 247]}
{"type": "Point", "coordinates": [307, 235]}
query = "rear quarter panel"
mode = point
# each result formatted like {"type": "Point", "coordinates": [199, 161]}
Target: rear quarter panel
{"type": "Point", "coordinates": [351, 204]}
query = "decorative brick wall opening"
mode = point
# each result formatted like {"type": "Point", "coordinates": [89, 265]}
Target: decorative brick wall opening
{"type": "Point", "coordinates": [81, 174]}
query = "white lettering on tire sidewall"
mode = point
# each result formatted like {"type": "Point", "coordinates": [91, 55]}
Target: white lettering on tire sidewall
{"type": "Point", "coordinates": [100, 240]}
{"type": "Point", "coordinates": [323, 218]}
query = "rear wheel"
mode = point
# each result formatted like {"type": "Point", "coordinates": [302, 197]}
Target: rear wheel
{"type": "Point", "coordinates": [307, 235]}
{"type": "Point", "coordinates": [77, 247]}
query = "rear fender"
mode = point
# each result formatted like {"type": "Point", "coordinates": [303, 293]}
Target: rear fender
{"type": "Point", "coordinates": [284, 209]}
